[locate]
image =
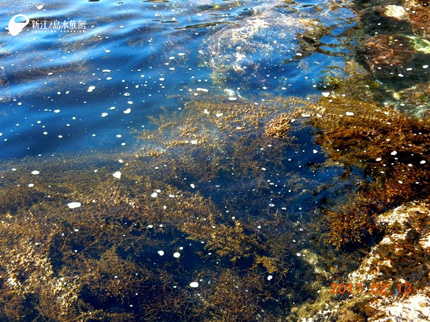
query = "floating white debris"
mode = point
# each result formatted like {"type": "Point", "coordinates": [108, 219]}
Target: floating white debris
{"type": "Point", "coordinates": [202, 90]}
{"type": "Point", "coordinates": [349, 114]}
{"type": "Point", "coordinates": [1, 134]}
{"type": "Point", "coordinates": [57, 111]}
{"type": "Point", "coordinates": [425, 66]}
{"type": "Point", "coordinates": [177, 255]}
{"type": "Point", "coordinates": [325, 94]}
{"type": "Point", "coordinates": [161, 79]}
{"type": "Point", "coordinates": [193, 185]}
{"type": "Point", "coordinates": [35, 172]}
{"type": "Point", "coordinates": [269, 278]}
{"type": "Point", "coordinates": [73, 205]}
{"type": "Point", "coordinates": [194, 141]}
{"type": "Point", "coordinates": [423, 162]}
{"type": "Point", "coordinates": [161, 253]}
{"type": "Point", "coordinates": [232, 98]}
{"type": "Point", "coordinates": [104, 114]}
{"type": "Point", "coordinates": [106, 70]}
{"type": "Point", "coordinates": [181, 54]}
{"type": "Point", "coordinates": [229, 92]}
{"type": "Point", "coordinates": [117, 175]}
{"type": "Point", "coordinates": [205, 111]}
{"type": "Point", "coordinates": [31, 185]}
{"type": "Point", "coordinates": [394, 153]}
{"type": "Point", "coordinates": [194, 284]}
{"type": "Point", "coordinates": [91, 88]}
{"type": "Point", "coordinates": [378, 159]}
{"type": "Point", "coordinates": [315, 151]}
{"type": "Point", "coordinates": [154, 194]}
{"type": "Point", "coordinates": [127, 111]}
{"type": "Point", "coordinates": [40, 7]}
{"type": "Point", "coordinates": [219, 114]}
{"type": "Point", "coordinates": [130, 103]}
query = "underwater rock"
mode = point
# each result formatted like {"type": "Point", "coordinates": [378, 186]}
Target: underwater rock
{"type": "Point", "coordinates": [418, 14]}
{"type": "Point", "coordinates": [389, 55]}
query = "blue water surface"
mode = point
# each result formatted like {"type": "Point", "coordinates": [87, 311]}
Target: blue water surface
{"type": "Point", "coordinates": [65, 91]}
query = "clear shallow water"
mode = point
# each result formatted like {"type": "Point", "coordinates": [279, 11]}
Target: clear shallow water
{"type": "Point", "coordinates": [82, 96]}
{"type": "Point", "coordinates": [139, 56]}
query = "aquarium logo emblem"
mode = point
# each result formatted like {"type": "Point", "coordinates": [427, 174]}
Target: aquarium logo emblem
{"type": "Point", "coordinates": [46, 25]}
{"type": "Point", "coordinates": [16, 27]}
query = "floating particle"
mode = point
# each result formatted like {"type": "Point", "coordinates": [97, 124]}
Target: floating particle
{"type": "Point", "coordinates": [31, 185]}
{"type": "Point", "coordinates": [35, 172]}
{"type": "Point", "coordinates": [232, 98]}
{"type": "Point", "coordinates": [325, 94]}
{"type": "Point", "coordinates": [117, 175]}
{"type": "Point", "coordinates": [349, 114]}
{"type": "Point", "coordinates": [194, 284]}
{"type": "Point", "coordinates": [127, 111]}
{"type": "Point", "coordinates": [91, 88]}
{"type": "Point", "coordinates": [161, 253]}
{"type": "Point", "coordinates": [130, 103]}
{"type": "Point", "coordinates": [193, 185]}
{"type": "Point", "coordinates": [423, 162]}
{"type": "Point", "coordinates": [315, 151]}
{"type": "Point", "coordinates": [177, 255]}
{"type": "Point", "coordinates": [106, 70]}
{"type": "Point", "coordinates": [378, 159]}
{"type": "Point", "coordinates": [202, 90]}
{"type": "Point", "coordinates": [181, 54]}
{"type": "Point", "coordinates": [394, 153]}
{"type": "Point", "coordinates": [104, 114]}
{"type": "Point", "coordinates": [154, 195]}
{"type": "Point", "coordinates": [40, 7]}
{"type": "Point", "coordinates": [57, 111]}
{"type": "Point", "coordinates": [194, 141]}
{"type": "Point", "coordinates": [425, 66]}
{"type": "Point", "coordinates": [73, 205]}
{"type": "Point", "coordinates": [269, 278]}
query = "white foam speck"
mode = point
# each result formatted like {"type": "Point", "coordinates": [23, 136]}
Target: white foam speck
{"type": "Point", "coordinates": [117, 175]}
{"type": "Point", "coordinates": [91, 88]}
{"type": "Point", "coordinates": [104, 114]}
{"type": "Point", "coordinates": [394, 153]}
{"type": "Point", "coordinates": [325, 94]}
{"type": "Point", "coordinates": [161, 253]}
{"type": "Point", "coordinates": [193, 185]}
{"type": "Point", "coordinates": [378, 159]}
{"type": "Point", "coordinates": [349, 114]}
{"type": "Point", "coordinates": [31, 185]}
{"type": "Point", "coordinates": [194, 284]}
{"type": "Point", "coordinates": [202, 90]}
{"type": "Point", "coordinates": [127, 111]}
{"type": "Point", "coordinates": [154, 195]}
{"type": "Point", "coordinates": [194, 141]}
{"type": "Point", "coordinates": [269, 278]}
{"type": "Point", "coordinates": [106, 70]}
{"type": "Point", "coordinates": [57, 111]}
{"type": "Point", "coordinates": [232, 98]}
{"type": "Point", "coordinates": [425, 66]}
{"type": "Point", "coordinates": [181, 54]}
{"type": "Point", "coordinates": [40, 7]}
{"type": "Point", "coordinates": [73, 205]}
{"type": "Point", "coordinates": [35, 172]}
{"type": "Point", "coordinates": [423, 162]}
{"type": "Point", "coordinates": [177, 255]}
{"type": "Point", "coordinates": [315, 151]}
